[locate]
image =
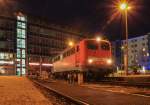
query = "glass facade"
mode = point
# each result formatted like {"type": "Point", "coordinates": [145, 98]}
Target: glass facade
{"type": "Point", "coordinates": [21, 45]}
{"type": "Point", "coordinates": [6, 56]}
{"type": "Point", "coordinates": [43, 40]}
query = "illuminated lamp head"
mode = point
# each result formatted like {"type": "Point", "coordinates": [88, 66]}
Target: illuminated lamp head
{"type": "Point", "coordinates": [71, 44]}
{"type": "Point", "coordinates": [124, 6]}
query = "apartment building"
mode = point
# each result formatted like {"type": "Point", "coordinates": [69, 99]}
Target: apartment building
{"type": "Point", "coordinates": [138, 51]}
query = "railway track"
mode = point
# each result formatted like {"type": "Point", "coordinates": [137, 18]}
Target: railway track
{"type": "Point", "coordinates": [65, 98]}
{"type": "Point", "coordinates": [127, 83]}
{"type": "Point", "coordinates": [68, 94]}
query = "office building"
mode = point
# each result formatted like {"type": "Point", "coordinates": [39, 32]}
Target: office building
{"type": "Point", "coordinates": [27, 44]}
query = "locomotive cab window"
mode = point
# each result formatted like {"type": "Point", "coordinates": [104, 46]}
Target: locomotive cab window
{"type": "Point", "coordinates": [105, 46]}
{"type": "Point", "coordinates": [92, 45]}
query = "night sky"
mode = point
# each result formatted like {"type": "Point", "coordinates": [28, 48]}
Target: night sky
{"type": "Point", "coordinates": [90, 16]}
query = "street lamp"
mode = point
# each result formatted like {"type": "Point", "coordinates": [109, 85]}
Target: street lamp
{"type": "Point", "coordinates": [124, 7]}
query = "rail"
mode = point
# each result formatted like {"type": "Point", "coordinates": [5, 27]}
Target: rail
{"type": "Point", "coordinates": [71, 99]}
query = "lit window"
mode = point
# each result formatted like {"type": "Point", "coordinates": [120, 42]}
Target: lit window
{"type": "Point", "coordinates": [19, 33]}
{"type": "Point", "coordinates": [23, 71]}
{"type": "Point", "coordinates": [19, 24]}
{"type": "Point", "coordinates": [22, 18]}
{"type": "Point", "coordinates": [18, 18]}
{"type": "Point", "coordinates": [23, 63]}
{"type": "Point", "coordinates": [23, 25]}
{"type": "Point", "coordinates": [23, 33]}
{"type": "Point", "coordinates": [18, 60]}
{"type": "Point", "coordinates": [11, 56]}
{"type": "Point", "coordinates": [18, 53]}
{"type": "Point", "coordinates": [144, 49]}
{"type": "Point", "coordinates": [21, 43]}
{"type": "Point", "coordinates": [18, 71]}
{"type": "Point", "coordinates": [23, 53]}
{"type": "Point", "coordinates": [1, 55]}
{"type": "Point", "coordinates": [18, 65]}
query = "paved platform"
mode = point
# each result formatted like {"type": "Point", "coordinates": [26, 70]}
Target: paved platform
{"type": "Point", "coordinates": [98, 96]}
{"type": "Point", "coordinates": [20, 91]}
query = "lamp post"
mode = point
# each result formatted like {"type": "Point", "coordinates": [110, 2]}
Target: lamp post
{"type": "Point", "coordinates": [124, 8]}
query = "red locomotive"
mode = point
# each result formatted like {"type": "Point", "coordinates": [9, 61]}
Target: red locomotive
{"type": "Point", "coordinates": [88, 56]}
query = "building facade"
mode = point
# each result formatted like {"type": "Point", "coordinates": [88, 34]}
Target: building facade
{"type": "Point", "coordinates": [138, 52]}
{"type": "Point", "coordinates": [117, 52]}
{"type": "Point", "coordinates": [27, 44]}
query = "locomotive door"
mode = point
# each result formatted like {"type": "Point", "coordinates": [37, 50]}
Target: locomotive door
{"type": "Point", "coordinates": [77, 57]}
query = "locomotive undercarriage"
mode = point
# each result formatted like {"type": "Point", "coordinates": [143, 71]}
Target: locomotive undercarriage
{"type": "Point", "coordinates": [87, 74]}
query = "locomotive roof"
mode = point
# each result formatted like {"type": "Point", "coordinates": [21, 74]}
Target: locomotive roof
{"type": "Point", "coordinates": [78, 44]}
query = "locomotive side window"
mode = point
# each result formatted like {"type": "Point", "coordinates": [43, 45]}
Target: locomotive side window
{"type": "Point", "coordinates": [69, 52]}
{"type": "Point", "coordinates": [92, 45]}
{"type": "Point", "coordinates": [105, 46]}
{"type": "Point", "coordinates": [56, 58]}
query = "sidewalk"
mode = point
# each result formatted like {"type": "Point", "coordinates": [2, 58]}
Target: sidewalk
{"type": "Point", "coordinates": [20, 91]}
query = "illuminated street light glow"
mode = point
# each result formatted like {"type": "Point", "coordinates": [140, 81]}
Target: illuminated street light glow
{"type": "Point", "coordinates": [98, 39]}
{"type": "Point", "coordinates": [71, 44]}
{"type": "Point", "coordinates": [129, 8]}
{"type": "Point", "coordinates": [123, 6]}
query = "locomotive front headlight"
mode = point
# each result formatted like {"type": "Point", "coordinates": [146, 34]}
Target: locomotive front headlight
{"type": "Point", "coordinates": [90, 61]}
{"type": "Point", "coordinates": [109, 61]}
